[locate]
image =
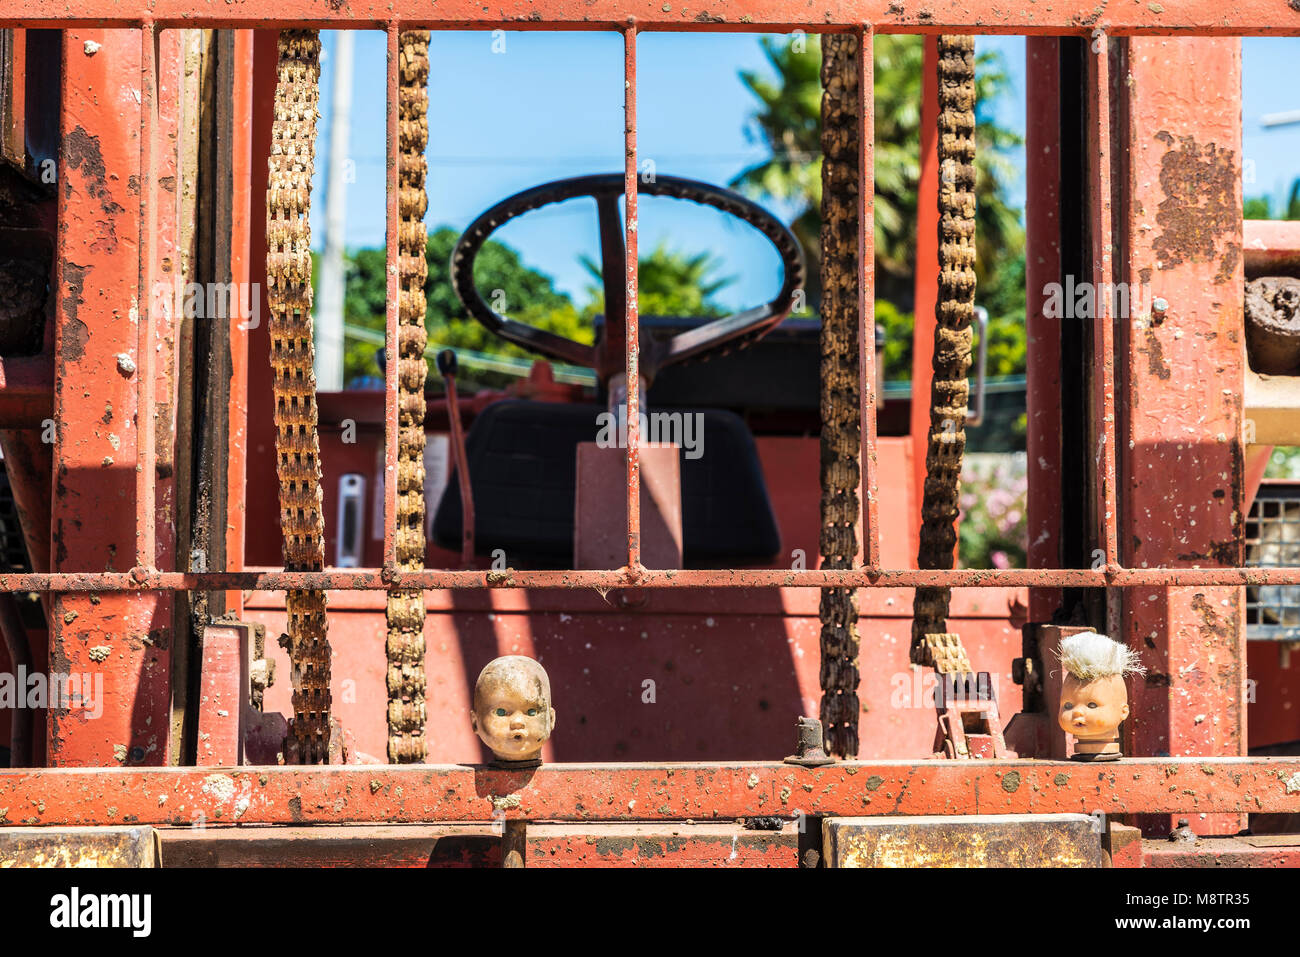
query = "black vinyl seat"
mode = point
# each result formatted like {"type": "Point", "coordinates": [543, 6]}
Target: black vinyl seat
{"type": "Point", "coordinates": [523, 470]}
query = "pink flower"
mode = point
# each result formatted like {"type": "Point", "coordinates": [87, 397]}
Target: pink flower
{"type": "Point", "coordinates": [1000, 560]}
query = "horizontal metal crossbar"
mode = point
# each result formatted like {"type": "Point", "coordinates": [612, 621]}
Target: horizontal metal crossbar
{"type": "Point", "coordinates": [1062, 17]}
{"type": "Point", "coordinates": [642, 792]}
{"type": "Point", "coordinates": [380, 580]}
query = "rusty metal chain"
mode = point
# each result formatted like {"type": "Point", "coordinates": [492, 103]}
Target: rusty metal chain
{"type": "Point", "coordinates": [297, 443]}
{"type": "Point", "coordinates": [405, 609]}
{"type": "Point", "coordinates": [841, 435]}
{"type": "Point", "coordinates": [949, 391]}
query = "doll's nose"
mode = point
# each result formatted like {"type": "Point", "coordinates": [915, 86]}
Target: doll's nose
{"type": "Point", "coordinates": [517, 720]}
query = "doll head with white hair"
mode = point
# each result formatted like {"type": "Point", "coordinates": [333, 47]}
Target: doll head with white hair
{"type": "Point", "coordinates": [1094, 699]}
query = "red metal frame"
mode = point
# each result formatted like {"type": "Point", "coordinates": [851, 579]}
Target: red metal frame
{"type": "Point", "coordinates": [119, 606]}
{"type": "Point", "coordinates": [1065, 18]}
{"type": "Point", "coordinates": [644, 792]}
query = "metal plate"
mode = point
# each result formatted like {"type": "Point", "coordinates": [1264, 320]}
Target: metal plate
{"type": "Point", "coordinates": [79, 847]}
{"type": "Point", "coordinates": [1016, 840]}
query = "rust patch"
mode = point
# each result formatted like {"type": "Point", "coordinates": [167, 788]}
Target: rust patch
{"type": "Point", "coordinates": [82, 152]}
{"type": "Point", "coordinates": [1212, 623]}
{"type": "Point", "coordinates": [1200, 215]}
{"type": "Point", "coordinates": [75, 332]}
{"type": "Point", "coordinates": [1155, 353]}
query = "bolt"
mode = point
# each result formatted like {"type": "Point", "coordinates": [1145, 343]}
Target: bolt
{"type": "Point", "coordinates": [808, 746]}
{"type": "Point", "coordinates": [1158, 309]}
{"type": "Point", "coordinates": [1182, 834]}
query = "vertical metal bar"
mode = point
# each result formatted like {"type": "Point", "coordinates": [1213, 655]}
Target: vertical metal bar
{"type": "Point", "coordinates": [1103, 332]}
{"type": "Point", "coordinates": [1182, 471]}
{"type": "Point", "coordinates": [926, 279]}
{"type": "Point", "coordinates": [867, 291]}
{"type": "Point", "coordinates": [390, 349]}
{"type": "Point", "coordinates": [97, 508]}
{"type": "Point", "coordinates": [240, 332]}
{"type": "Point", "coordinates": [1043, 373]}
{"type": "Point", "coordinates": [632, 322]}
{"type": "Point", "coordinates": [145, 450]}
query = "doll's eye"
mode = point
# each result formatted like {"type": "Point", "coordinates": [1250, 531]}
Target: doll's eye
{"type": "Point", "coordinates": [501, 712]}
{"type": "Point", "coordinates": [1092, 704]}
{"type": "Point", "coordinates": [1067, 705]}
{"type": "Point", "coordinates": [532, 712]}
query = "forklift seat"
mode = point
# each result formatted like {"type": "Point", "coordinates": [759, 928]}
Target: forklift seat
{"type": "Point", "coordinates": [522, 465]}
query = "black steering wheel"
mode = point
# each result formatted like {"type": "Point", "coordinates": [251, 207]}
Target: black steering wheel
{"type": "Point", "coordinates": [606, 357]}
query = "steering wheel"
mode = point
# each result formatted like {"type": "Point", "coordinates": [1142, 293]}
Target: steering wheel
{"type": "Point", "coordinates": [606, 357]}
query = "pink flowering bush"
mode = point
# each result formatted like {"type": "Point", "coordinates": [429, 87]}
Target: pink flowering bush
{"type": "Point", "coordinates": [994, 525]}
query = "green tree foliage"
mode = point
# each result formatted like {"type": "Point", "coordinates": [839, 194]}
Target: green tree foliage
{"type": "Point", "coordinates": [525, 294]}
{"type": "Point", "coordinates": [1261, 207]}
{"type": "Point", "coordinates": [669, 283]}
{"type": "Point", "coordinates": [788, 122]}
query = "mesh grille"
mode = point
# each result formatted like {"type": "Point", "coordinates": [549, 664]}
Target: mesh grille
{"type": "Point", "coordinates": [1273, 540]}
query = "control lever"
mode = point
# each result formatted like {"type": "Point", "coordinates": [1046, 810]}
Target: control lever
{"type": "Point", "coordinates": [447, 369]}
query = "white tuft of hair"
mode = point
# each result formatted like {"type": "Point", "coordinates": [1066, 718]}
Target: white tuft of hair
{"type": "Point", "coordinates": [1089, 656]}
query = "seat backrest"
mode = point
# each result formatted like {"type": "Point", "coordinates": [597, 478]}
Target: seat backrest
{"type": "Point", "coordinates": [522, 466]}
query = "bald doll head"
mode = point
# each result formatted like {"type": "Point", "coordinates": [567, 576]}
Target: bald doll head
{"type": "Point", "coordinates": [512, 711]}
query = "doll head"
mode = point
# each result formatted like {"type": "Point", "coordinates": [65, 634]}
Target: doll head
{"type": "Point", "coordinates": [512, 711]}
{"type": "Point", "coordinates": [1093, 698]}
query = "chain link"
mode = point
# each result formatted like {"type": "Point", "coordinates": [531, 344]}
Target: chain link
{"type": "Point", "coordinates": [297, 443]}
{"type": "Point", "coordinates": [405, 609]}
{"type": "Point", "coordinates": [954, 311]}
{"type": "Point", "coordinates": [841, 435]}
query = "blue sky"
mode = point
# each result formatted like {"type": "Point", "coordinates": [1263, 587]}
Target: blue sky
{"type": "Point", "coordinates": [550, 105]}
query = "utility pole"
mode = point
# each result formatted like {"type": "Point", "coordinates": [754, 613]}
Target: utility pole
{"type": "Point", "coordinates": [329, 306]}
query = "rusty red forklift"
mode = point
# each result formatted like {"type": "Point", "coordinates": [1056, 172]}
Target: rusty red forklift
{"type": "Point", "coordinates": [278, 599]}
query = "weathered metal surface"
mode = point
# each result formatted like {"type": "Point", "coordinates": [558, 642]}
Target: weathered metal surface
{"type": "Point", "coordinates": [1123, 845]}
{"type": "Point", "coordinates": [479, 845]}
{"type": "Point", "coordinates": [223, 693]}
{"type": "Point", "coordinates": [1262, 850]}
{"type": "Point", "coordinates": [1022, 840]}
{"type": "Point", "coordinates": [631, 320]}
{"type": "Point", "coordinates": [925, 280]}
{"type": "Point", "coordinates": [1270, 247]}
{"type": "Point", "coordinates": [79, 847]}
{"type": "Point", "coordinates": [324, 845]}
{"type": "Point", "coordinates": [1180, 438]}
{"type": "Point", "coordinates": [1102, 421]}
{"type": "Point", "coordinates": [1043, 359]}
{"type": "Point", "coordinates": [414, 794]}
{"type": "Point", "coordinates": [870, 538]}
{"type": "Point", "coordinates": [120, 642]}
{"type": "Point", "coordinates": [379, 580]}
{"type": "Point", "coordinates": [657, 845]}
{"type": "Point", "coordinates": [1076, 17]}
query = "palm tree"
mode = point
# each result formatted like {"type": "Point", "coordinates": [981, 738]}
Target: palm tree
{"type": "Point", "coordinates": [788, 122]}
{"type": "Point", "coordinates": [669, 283]}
